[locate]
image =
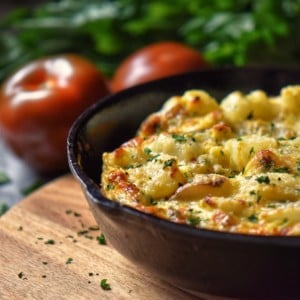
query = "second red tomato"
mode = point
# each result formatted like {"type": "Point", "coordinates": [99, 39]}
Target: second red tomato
{"type": "Point", "coordinates": [156, 61]}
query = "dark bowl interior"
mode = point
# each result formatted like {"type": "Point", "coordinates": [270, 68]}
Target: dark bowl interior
{"type": "Point", "coordinates": [201, 261]}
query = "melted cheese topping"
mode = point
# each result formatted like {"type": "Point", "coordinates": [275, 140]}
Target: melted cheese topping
{"type": "Point", "coordinates": [233, 166]}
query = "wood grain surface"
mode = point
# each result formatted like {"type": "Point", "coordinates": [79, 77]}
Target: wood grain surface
{"type": "Point", "coordinates": [49, 250]}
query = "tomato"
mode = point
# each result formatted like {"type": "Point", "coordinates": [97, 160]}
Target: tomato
{"type": "Point", "coordinates": [39, 103]}
{"type": "Point", "coordinates": [156, 61]}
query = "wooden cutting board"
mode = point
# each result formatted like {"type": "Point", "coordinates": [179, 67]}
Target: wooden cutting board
{"type": "Point", "coordinates": [49, 250]}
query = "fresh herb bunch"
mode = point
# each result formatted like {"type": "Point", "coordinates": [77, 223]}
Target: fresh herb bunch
{"type": "Point", "coordinates": [231, 32]}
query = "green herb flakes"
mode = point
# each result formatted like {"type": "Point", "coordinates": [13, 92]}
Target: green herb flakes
{"type": "Point", "coordinates": [281, 170]}
{"type": "Point", "coordinates": [101, 239]}
{"type": "Point", "coordinates": [193, 220]}
{"type": "Point", "coordinates": [253, 218]}
{"type": "Point", "coordinates": [105, 285]}
{"type": "Point", "coordinates": [147, 151]}
{"type": "Point", "coordinates": [21, 275]}
{"type": "Point", "coordinates": [110, 187]}
{"type": "Point", "coordinates": [50, 242]}
{"type": "Point", "coordinates": [179, 138]}
{"type": "Point", "coordinates": [263, 179]}
{"type": "Point", "coordinates": [169, 163]}
{"type": "Point", "coordinates": [69, 261]}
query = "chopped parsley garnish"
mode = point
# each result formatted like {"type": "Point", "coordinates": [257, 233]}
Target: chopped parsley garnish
{"type": "Point", "coordinates": [298, 165]}
{"type": "Point", "coordinates": [153, 202]}
{"type": "Point", "coordinates": [169, 163]}
{"type": "Point", "coordinates": [147, 151]}
{"type": "Point", "coordinates": [133, 166]}
{"type": "Point", "coordinates": [251, 151]}
{"type": "Point", "coordinates": [104, 285]}
{"type": "Point", "coordinates": [69, 260]}
{"type": "Point", "coordinates": [110, 187]}
{"type": "Point", "coordinates": [263, 179]}
{"type": "Point", "coordinates": [179, 138]}
{"type": "Point", "coordinates": [253, 218]}
{"type": "Point", "coordinates": [101, 239]}
{"type": "Point", "coordinates": [194, 220]}
{"type": "Point", "coordinates": [50, 242]}
{"type": "Point", "coordinates": [281, 170]}
{"type": "Point", "coordinates": [153, 157]}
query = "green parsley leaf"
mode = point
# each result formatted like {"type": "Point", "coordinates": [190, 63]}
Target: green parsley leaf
{"type": "Point", "coordinates": [110, 187]}
{"type": "Point", "coordinates": [69, 261]}
{"type": "Point", "coordinates": [281, 170]}
{"type": "Point", "coordinates": [194, 220]}
{"type": "Point", "coordinates": [179, 138]}
{"type": "Point", "coordinates": [50, 242]}
{"type": "Point", "coordinates": [263, 179]}
{"type": "Point", "coordinates": [104, 285]}
{"type": "Point", "coordinates": [169, 163]}
{"type": "Point", "coordinates": [101, 239]}
{"type": "Point", "coordinates": [147, 151]}
{"type": "Point", "coordinates": [253, 218]}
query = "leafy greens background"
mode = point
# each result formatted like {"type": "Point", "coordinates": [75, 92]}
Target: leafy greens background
{"type": "Point", "coordinates": [227, 32]}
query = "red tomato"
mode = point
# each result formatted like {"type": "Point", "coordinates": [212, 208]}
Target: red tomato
{"type": "Point", "coordinates": [39, 103]}
{"type": "Point", "coordinates": [156, 61]}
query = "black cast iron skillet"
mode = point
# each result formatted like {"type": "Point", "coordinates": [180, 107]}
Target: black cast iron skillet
{"type": "Point", "coordinates": [201, 261]}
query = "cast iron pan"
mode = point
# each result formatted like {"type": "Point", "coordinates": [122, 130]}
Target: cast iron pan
{"type": "Point", "coordinates": [201, 261]}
